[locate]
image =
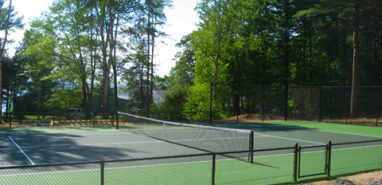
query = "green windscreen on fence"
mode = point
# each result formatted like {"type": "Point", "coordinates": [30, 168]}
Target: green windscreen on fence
{"type": "Point", "coordinates": [184, 170]}
{"type": "Point", "coordinates": [268, 167]}
{"type": "Point", "coordinates": [348, 159]}
{"type": "Point", "coordinates": [312, 162]}
{"type": "Point", "coordinates": [58, 174]}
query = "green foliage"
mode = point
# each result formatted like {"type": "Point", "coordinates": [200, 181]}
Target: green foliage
{"type": "Point", "coordinates": [198, 103]}
{"type": "Point", "coordinates": [172, 107]}
{"type": "Point", "coordinates": [61, 99]}
{"type": "Point", "coordinates": [272, 42]}
{"type": "Point", "coordinates": [67, 56]}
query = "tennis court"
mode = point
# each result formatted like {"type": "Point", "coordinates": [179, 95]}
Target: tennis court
{"type": "Point", "coordinates": [157, 152]}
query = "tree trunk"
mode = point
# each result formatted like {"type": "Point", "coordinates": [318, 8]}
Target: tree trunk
{"type": "Point", "coordinates": [148, 76]}
{"type": "Point", "coordinates": [105, 25]}
{"type": "Point", "coordinates": [92, 77]}
{"type": "Point", "coordinates": [355, 66]}
{"type": "Point", "coordinates": [2, 50]}
{"type": "Point", "coordinates": [148, 82]}
{"type": "Point", "coordinates": [141, 88]}
{"type": "Point", "coordinates": [85, 96]}
{"type": "Point", "coordinates": [218, 48]}
{"type": "Point", "coordinates": [285, 48]}
{"type": "Point", "coordinates": [115, 74]}
{"type": "Point", "coordinates": [152, 61]}
{"type": "Point", "coordinates": [109, 42]}
{"type": "Point", "coordinates": [1, 86]}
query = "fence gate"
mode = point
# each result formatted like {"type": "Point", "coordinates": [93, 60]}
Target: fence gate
{"type": "Point", "coordinates": [313, 161]}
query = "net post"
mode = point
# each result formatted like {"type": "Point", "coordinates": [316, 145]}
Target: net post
{"type": "Point", "coordinates": [213, 168]}
{"type": "Point", "coordinates": [102, 164]}
{"type": "Point", "coordinates": [251, 146]}
{"type": "Point", "coordinates": [328, 158]}
{"type": "Point", "coordinates": [295, 162]}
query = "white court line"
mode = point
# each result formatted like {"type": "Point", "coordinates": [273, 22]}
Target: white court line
{"type": "Point", "coordinates": [287, 138]}
{"type": "Point", "coordinates": [178, 163]}
{"type": "Point", "coordinates": [21, 150]}
{"type": "Point", "coordinates": [131, 131]}
{"type": "Point", "coordinates": [78, 133]}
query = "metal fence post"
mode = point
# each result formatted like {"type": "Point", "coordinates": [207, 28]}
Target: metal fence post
{"type": "Point", "coordinates": [102, 172]}
{"type": "Point", "coordinates": [298, 162]}
{"type": "Point", "coordinates": [213, 168]}
{"type": "Point", "coordinates": [10, 122]}
{"type": "Point", "coordinates": [295, 162]}
{"type": "Point", "coordinates": [117, 117]}
{"type": "Point", "coordinates": [377, 121]}
{"type": "Point", "coordinates": [53, 119]}
{"type": "Point", "coordinates": [93, 117]}
{"type": "Point", "coordinates": [320, 104]}
{"type": "Point", "coordinates": [328, 158]}
{"type": "Point", "coordinates": [262, 103]}
{"type": "Point", "coordinates": [251, 146]}
{"type": "Point", "coordinates": [346, 119]}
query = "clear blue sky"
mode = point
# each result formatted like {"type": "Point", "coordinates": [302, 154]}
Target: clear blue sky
{"type": "Point", "coordinates": [181, 20]}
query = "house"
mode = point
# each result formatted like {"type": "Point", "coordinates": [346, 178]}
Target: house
{"type": "Point", "coordinates": [158, 96]}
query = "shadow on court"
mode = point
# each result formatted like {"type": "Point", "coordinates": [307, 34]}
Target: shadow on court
{"type": "Point", "coordinates": [43, 147]}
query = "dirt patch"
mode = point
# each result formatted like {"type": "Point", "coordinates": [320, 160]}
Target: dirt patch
{"type": "Point", "coordinates": [255, 118]}
{"type": "Point", "coordinates": [371, 178]}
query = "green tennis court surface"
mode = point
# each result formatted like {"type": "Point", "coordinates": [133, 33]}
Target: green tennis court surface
{"type": "Point", "coordinates": [62, 145]}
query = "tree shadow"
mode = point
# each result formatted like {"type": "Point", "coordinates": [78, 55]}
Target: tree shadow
{"type": "Point", "coordinates": [53, 148]}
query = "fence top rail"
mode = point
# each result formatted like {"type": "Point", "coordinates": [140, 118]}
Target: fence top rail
{"type": "Point", "coordinates": [357, 142]}
{"type": "Point", "coordinates": [254, 151]}
{"type": "Point", "coordinates": [313, 146]}
{"type": "Point", "coordinates": [104, 161]}
{"type": "Point", "coordinates": [332, 86]}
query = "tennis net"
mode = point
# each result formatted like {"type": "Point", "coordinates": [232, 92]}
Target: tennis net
{"type": "Point", "coordinates": [196, 136]}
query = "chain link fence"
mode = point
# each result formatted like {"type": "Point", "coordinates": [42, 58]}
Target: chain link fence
{"type": "Point", "coordinates": [307, 103]}
{"type": "Point", "coordinates": [310, 103]}
{"type": "Point", "coordinates": [75, 117]}
{"type": "Point", "coordinates": [269, 166]}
